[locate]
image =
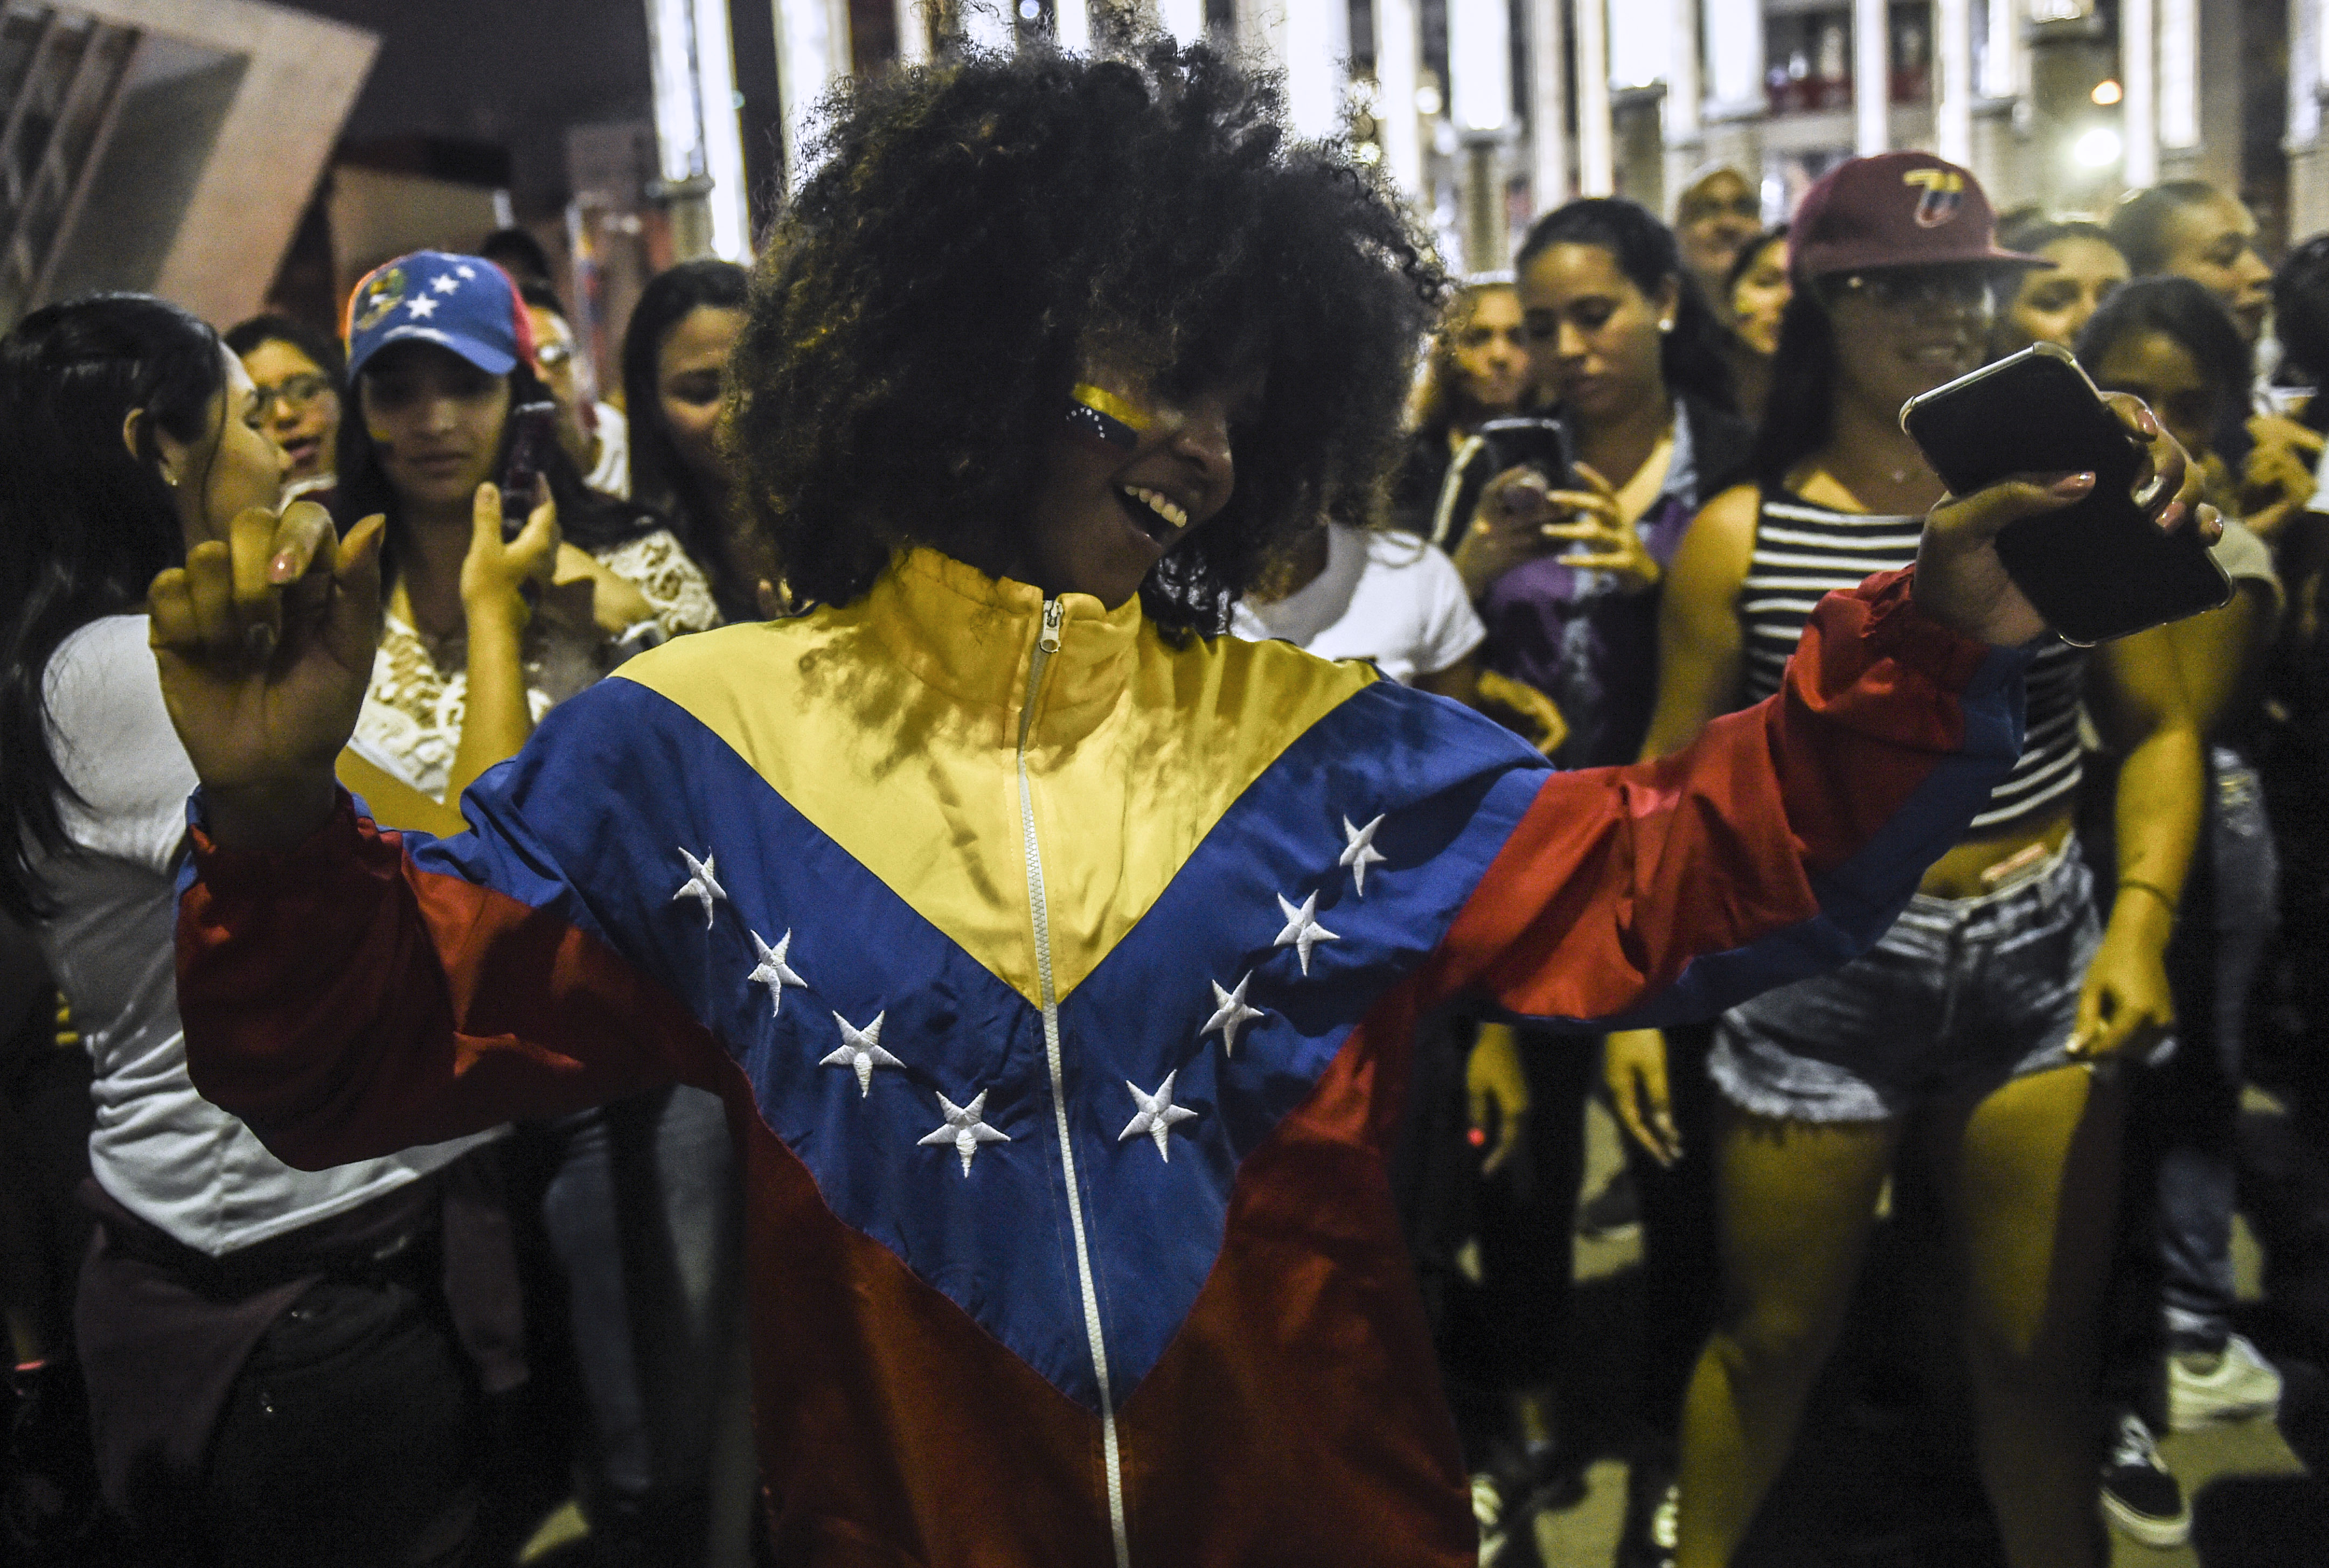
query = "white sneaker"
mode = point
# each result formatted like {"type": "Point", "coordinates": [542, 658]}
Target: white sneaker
{"type": "Point", "coordinates": [2240, 1386]}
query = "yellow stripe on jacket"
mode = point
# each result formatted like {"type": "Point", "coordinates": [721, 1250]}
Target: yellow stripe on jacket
{"type": "Point", "coordinates": [892, 723]}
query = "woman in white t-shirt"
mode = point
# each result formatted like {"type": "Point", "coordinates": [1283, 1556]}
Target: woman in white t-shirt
{"type": "Point", "coordinates": [254, 1336]}
{"type": "Point", "coordinates": [1387, 597]}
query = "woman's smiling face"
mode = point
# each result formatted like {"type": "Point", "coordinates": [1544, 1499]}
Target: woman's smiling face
{"type": "Point", "coordinates": [1111, 504]}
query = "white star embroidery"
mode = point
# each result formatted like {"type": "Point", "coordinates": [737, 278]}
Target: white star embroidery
{"type": "Point", "coordinates": [466, 270]}
{"type": "Point", "coordinates": [773, 972]}
{"type": "Point", "coordinates": [1361, 852]}
{"type": "Point", "coordinates": [1157, 1114]}
{"type": "Point", "coordinates": [422, 306]}
{"type": "Point", "coordinates": [1302, 931]}
{"type": "Point", "coordinates": [446, 284]}
{"type": "Point", "coordinates": [861, 1050]}
{"type": "Point", "coordinates": [1229, 1014]}
{"type": "Point", "coordinates": [964, 1129]}
{"type": "Point", "coordinates": [700, 884]}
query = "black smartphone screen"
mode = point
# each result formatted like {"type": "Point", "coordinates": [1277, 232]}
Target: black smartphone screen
{"type": "Point", "coordinates": [533, 426]}
{"type": "Point", "coordinates": [2100, 568]}
{"type": "Point", "coordinates": [1524, 442]}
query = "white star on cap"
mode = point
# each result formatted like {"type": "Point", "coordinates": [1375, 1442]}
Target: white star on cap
{"type": "Point", "coordinates": [466, 270]}
{"type": "Point", "coordinates": [861, 1050]}
{"type": "Point", "coordinates": [1157, 1114]}
{"type": "Point", "coordinates": [1302, 931]}
{"type": "Point", "coordinates": [1361, 852]}
{"type": "Point", "coordinates": [773, 972]}
{"type": "Point", "coordinates": [422, 307]}
{"type": "Point", "coordinates": [964, 1129]}
{"type": "Point", "coordinates": [446, 283]}
{"type": "Point", "coordinates": [700, 884]}
{"type": "Point", "coordinates": [1231, 1014]}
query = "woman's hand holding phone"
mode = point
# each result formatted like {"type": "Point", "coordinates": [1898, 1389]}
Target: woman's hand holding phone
{"type": "Point", "coordinates": [1507, 529]}
{"type": "Point", "coordinates": [1960, 580]}
{"type": "Point", "coordinates": [497, 572]}
{"type": "Point", "coordinates": [1605, 540]}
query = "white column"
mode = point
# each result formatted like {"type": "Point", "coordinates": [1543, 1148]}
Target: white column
{"type": "Point", "coordinates": [2138, 64]}
{"type": "Point", "coordinates": [1596, 172]}
{"type": "Point", "coordinates": [1641, 44]}
{"type": "Point", "coordinates": [1398, 63]}
{"type": "Point", "coordinates": [2005, 70]}
{"type": "Point", "coordinates": [1871, 77]}
{"type": "Point", "coordinates": [697, 134]}
{"type": "Point", "coordinates": [1953, 86]}
{"type": "Point", "coordinates": [812, 55]}
{"type": "Point", "coordinates": [1185, 21]}
{"type": "Point", "coordinates": [1686, 91]}
{"type": "Point", "coordinates": [1310, 42]}
{"type": "Point", "coordinates": [1479, 65]}
{"type": "Point", "coordinates": [1548, 102]}
{"type": "Point", "coordinates": [2179, 75]}
{"type": "Point", "coordinates": [913, 32]}
{"type": "Point", "coordinates": [1071, 26]}
{"type": "Point", "coordinates": [1734, 57]}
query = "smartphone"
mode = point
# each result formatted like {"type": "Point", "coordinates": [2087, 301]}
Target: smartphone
{"type": "Point", "coordinates": [1524, 442]}
{"type": "Point", "coordinates": [2099, 569]}
{"type": "Point", "coordinates": [532, 428]}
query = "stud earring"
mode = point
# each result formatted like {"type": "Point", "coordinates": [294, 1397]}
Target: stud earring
{"type": "Point", "coordinates": [1666, 325]}
{"type": "Point", "coordinates": [170, 479]}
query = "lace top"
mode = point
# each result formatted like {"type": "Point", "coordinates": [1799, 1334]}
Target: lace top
{"type": "Point", "coordinates": [411, 725]}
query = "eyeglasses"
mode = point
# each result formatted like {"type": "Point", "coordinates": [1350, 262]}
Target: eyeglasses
{"type": "Point", "coordinates": [296, 393]}
{"type": "Point", "coordinates": [1897, 289]}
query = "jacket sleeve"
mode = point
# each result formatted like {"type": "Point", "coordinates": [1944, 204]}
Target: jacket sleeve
{"type": "Point", "coordinates": [373, 989]}
{"type": "Point", "coordinates": [1783, 842]}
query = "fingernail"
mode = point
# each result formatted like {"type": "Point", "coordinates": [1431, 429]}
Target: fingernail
{"type": "Point", "coordinates": [2074, 484]}
{"type": "Point", "coordinates": [282, 569]}
{"type": "Point", "coordinates": [260, 640]}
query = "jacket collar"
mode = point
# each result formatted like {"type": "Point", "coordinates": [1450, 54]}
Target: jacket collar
{"type": "Point", "coordinates": [973, 638]}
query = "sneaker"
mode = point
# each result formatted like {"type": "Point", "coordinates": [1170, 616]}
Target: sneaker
{"type": "Point", "coordinates": [1613, 1211]}
{"type": "Point", "coordinates": [2138, 1495]}
{"type": "Point", "coordinates": [2209, 1388]}
{"type": "Point", "coordinates": [1652, 1528]}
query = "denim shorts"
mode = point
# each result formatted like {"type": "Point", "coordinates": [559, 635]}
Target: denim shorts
{"type": "Point", "coordinates": [1961, 993]}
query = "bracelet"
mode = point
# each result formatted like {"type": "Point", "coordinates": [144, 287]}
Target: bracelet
{"type": "Point", "coordinates": [2156, 892]}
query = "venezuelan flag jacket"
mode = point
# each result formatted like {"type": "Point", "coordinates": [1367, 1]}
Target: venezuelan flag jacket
{"type": "Point", "coordinates": [1059, 983]}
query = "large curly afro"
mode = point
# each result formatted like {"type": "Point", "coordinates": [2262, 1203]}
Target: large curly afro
{"type": "Point", "coordinates": [981, 227]}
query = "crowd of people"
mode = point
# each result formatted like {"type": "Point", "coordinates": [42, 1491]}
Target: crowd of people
{"type": "Point", "coordinates": [651, 1093]}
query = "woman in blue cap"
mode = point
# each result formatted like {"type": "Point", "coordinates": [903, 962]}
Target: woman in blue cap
{"type": "Point", "coordinates": [439, 353]}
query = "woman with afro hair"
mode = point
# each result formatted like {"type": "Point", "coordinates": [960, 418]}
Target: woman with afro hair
{"type": "Point", "coordinates": [1056, 955]}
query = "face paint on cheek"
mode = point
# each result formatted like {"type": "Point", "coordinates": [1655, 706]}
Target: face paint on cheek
{"type": "Point", "coordinates": [1099, 413]}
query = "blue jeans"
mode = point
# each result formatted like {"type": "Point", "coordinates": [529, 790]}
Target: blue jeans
{"type": "Point", "coordinates": [645, 1213]}
{"type": "Point", "coordinates": [2228, 915]}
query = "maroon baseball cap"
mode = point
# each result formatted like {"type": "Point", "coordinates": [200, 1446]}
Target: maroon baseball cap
{"type": "Point", "coordinates": [1896, 210]}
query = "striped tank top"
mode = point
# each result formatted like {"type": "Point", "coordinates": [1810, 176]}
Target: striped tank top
{"type": "Point", "coordinates": [1803, 551]}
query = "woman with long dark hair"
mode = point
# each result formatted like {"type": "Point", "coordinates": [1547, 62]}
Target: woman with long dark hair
{"type": "Point", "coordinates": [1055, 955]}
{"type": "Point", "coordinates": [1980, 1036]}
{"type": "Point", "coordinates": [232, 1299]}
{"type": "Point", "coordinates": [675, 355]}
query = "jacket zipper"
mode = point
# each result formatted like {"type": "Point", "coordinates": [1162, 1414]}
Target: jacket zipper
{"type": "Point", "coordinates": [1047, 643]}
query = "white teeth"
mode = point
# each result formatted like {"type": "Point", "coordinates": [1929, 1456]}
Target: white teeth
{"type": "Point", "coordinates": [1160, 505]}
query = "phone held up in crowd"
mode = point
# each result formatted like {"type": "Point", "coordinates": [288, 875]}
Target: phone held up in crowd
{"type": "Point", "coordinates": [2100, 568]}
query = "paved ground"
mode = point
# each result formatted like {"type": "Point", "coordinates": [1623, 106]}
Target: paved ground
{"type": "Point", "coordinates": [1858, 1497]}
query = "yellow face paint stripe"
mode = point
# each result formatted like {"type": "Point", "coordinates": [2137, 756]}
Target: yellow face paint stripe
{"type": "Point", "coordinates": [1102, 401]}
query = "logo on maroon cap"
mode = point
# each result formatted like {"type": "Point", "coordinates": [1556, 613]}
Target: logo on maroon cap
{"type": "Point", "coordinates": [1944, 195]}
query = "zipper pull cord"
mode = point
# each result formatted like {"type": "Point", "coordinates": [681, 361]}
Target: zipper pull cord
{"type": "Point", "coordinates": [1055, 612]}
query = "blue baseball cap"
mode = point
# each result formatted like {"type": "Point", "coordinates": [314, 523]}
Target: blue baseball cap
{"type": "Point", "coordinates": [462, 302]}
